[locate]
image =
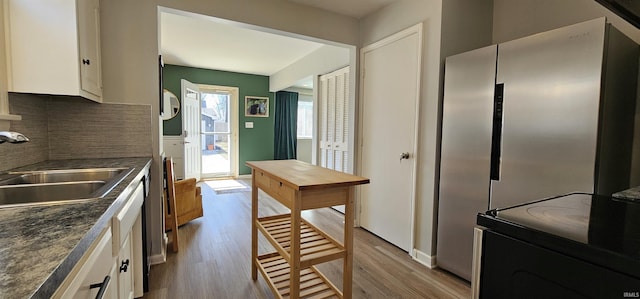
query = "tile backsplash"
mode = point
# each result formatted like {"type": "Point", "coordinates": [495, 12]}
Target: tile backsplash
{"type": "Point", "coordinates": [34, 123]}
{"type": "Point", "coordinates": [61, 127]}
{"type": "Point", "coordinates": [90, 130]}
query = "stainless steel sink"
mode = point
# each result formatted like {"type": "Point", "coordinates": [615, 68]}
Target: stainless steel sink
{"type": "Point", "coordinates": [58, 176]}
{"type": "Point", "coordinates": [58, 186]}
{"type": "Point", "coordinates": [43, 193]}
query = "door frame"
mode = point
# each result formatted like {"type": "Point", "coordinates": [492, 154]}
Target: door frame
{"type": "Point", "coordinates": [186, 86]}
{"type": "Point", "coordinates": [234, 93]}
{"type": "Point", "coordinates": [415, 29]}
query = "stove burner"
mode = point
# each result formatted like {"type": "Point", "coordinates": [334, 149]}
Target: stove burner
{"type": "Point", "coordinates": [564, 216]}
{"type": "Point", "coordinates": [569, 219]}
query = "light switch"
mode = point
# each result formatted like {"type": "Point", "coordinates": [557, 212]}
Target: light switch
{"type": "Point", "coordinates": [248, 124]}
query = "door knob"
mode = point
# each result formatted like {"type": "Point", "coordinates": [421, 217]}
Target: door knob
{"type": "Point", "coordinates": [404, 156]}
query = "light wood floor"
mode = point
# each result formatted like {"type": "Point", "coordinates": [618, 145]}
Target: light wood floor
{"type": "Point", "coordinates": [214, 260]}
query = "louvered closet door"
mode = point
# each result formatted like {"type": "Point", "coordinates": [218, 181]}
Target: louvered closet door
{"type": "Point", "coordinates": [334, 124]}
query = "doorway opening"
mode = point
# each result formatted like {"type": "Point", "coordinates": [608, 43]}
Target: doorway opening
{"type": "Point", "coordinates": [219, 131]}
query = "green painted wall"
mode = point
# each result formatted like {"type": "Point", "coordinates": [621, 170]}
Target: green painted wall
{"type": "Point", "coordinates": [255, 144]}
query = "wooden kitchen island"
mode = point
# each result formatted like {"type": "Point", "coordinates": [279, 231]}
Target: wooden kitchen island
{"type": "Point", "coordinates": [289, 270]}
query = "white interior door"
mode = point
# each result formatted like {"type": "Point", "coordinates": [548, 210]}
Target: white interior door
{"type": "Point", "coordinates": [334, 121]}
{"type": "Point", "coordinates": [190, 129]}
{"type": "Point", "coordinates": [334, 125]}
{"type": "Point", "coordinates": [390, 77]}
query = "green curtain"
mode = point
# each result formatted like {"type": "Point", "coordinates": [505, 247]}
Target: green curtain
{"type": "Point", "coordinates": [286, 125]}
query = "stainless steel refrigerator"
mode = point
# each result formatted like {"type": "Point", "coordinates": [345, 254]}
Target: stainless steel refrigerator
{"type": "Point", "coordinates": [535, 117]}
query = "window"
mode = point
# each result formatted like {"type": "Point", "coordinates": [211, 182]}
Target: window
{"type": "Point", "coordinates": [305, 119]}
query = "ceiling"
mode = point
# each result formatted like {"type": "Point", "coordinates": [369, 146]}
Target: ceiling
{"type": "Point", "coordinates": [352, 8]}
{"type": "Point", "coordinates": [205, 42]}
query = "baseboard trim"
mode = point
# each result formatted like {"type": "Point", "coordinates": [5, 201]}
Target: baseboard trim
{"type": "Point", "coordinates": [157, 259]}
{"type": "Point", "coordinates": [423, 258]}
{"type": "Point", "coordinates": [245, 176]}
{"type": "Point", "coordinates": [162, 257]}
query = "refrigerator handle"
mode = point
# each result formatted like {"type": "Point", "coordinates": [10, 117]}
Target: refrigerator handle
{"type": "Point", "coordinates": [496, 137]}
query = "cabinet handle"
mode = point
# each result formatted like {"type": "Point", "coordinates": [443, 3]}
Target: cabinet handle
{"type": "Point", "coordinates": [86, 61]}
{"type": "Point", "coordinates": [124, 266]}
{"type": "Point", "coordinates": [103, 286]}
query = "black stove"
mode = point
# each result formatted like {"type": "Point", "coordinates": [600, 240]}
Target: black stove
{"type": "Point", "coordinates": [538, 247]}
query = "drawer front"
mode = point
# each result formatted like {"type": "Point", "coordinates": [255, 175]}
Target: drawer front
{"type": "Point", "coordinates": [281, 192]}
{"type": "Point", "coordinates": [284, 193]}
{"type": "Point", "coordinates": [124, 220]}
{"type": "Point", "coordinates": [92, 270]}
{"type": "Point", "coordinates": [263, 180]}
{"type": "Point", "coordinates": [275, 188]}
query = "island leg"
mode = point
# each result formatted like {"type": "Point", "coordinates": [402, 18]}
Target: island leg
{"type": "Point", "coordinates": [254, 228]}
{"type": "Point", "coordinates": [347, 273]}
{"type": "Point", "coordinates": [294, 278]}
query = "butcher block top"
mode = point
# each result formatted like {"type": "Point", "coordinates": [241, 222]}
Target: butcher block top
{"type": "Point", "coordinates": [304, 176]}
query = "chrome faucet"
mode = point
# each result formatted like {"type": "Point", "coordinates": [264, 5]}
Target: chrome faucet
{"type": "Point", "coordinates": [12, 137]}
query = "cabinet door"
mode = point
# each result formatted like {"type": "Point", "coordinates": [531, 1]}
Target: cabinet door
{"type": "Point", "coordinates": [89, 46]}
{"type": "Point", "coordinates": [91, 273]}
{"type": "Point", "coordinates": [47, 64]}
{"type": "Point", "coordinates": [112, 289]}
{"type": "Point", "coordinates": [512, 268]}
{"type": "Point", "coordinates": [125, 274]}
{"type": "Point", "coordinates": [65, 58]}
{"type": "Point", "coordinates": [334, 121]}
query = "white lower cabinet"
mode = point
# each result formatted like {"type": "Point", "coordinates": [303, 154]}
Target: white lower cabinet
{"type": "Point", "coordinates": [112, 267]}
{"type": "Point", "coordinates": [174, 148]}
{"type": "Point", "coordinates": [127, 243]}
{"type": "Point", "coordinates": [94, 275]}
{"type": "Point", "coordinates": [125, 270]}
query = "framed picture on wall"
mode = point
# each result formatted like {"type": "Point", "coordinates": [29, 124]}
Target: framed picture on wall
{"type": "Point", "coordinates": [256, 106]}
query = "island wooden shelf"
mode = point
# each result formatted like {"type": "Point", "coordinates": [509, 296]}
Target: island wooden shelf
{"type": "Point", "coordinates": [312, 283]}
{"type": "Point", "coordinates": [299, 245]}
{"type": "Point", "coordinates": [315, 246]}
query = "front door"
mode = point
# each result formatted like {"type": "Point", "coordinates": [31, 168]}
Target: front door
{"type": "Point", "coordinates": [190, 129]}
{"type": "Point", "coordinates": [218, 131]}
{"type": "Point", "coordinates": [389, 108]}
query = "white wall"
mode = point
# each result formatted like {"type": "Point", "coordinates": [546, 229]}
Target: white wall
{"type": "Point", "coordinates": [304, 146]}
{"type": "Point", "coordinates": [130, 56]}
{"type": "Point", "coordinates": [278, 15]}
{"type": "Point", "coordinates": [129, 41]}
{"type": "Point", "coordinates": [384, 23]}
{"type": "Point", "coordinates": [450, 27]}
{"type": "Point", "coordinates": [304, 150]}
{"type": "Point", "coordinates": [518, 18]}
{"type": "Point", "coordinates": [466, 25]}
{"type": "Point", "coordinates": [321, 61]}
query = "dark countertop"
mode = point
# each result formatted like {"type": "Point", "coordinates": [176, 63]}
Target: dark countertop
{"type": "Point", "coordinates": [600, 229]}
{"type": "Point", "coordinates": [630, 194]}
{"type": "Point", "coordinates": [40, 245]}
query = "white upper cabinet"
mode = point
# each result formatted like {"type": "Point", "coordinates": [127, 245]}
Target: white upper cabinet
{"type": "Point", "coordinates": [54, 47]}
